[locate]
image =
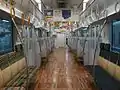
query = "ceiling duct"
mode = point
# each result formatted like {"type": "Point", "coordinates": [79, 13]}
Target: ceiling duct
{"type": "Point", "coordinates": [61, 3]}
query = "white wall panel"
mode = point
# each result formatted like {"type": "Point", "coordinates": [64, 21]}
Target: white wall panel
{"type": "Point", "coordinates": [60, 40]}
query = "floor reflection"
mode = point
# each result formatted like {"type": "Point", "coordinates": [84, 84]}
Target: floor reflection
{"type": "Point", "coordinates": [63, 73]}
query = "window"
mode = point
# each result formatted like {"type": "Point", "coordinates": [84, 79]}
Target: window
{"type": "Point", "coordinates": [115, 42]}
{"type": "Point", "coordinates": [5, 36]}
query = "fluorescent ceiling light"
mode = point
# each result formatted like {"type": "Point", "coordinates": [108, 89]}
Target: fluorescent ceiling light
{"type": "Point", "coordinates": [40, 7]}
{"type": "Point", "coordinates": [5, 20]}
{"type": "Point", "coordinates": [38, 1]}
{"type": "Point", "coordinates": [39, 4]}
{"type": "Point", "coordinates": [84, 4]}
{"type": "Point", "coordinates": [85, 0]}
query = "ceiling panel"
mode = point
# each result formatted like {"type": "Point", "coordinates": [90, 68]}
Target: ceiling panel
{"type": "Point", "coordinates": [22, 5]}
{"type": "Point", "coordinates": [53, 3]}
{"type": "Point", "coordinates": [50, 3]}
{"type": "Point", "coordinates": [74, 2]}
{"type": "Point", "coordinates": [27, 6]}
{"type": "Point", "coordinates": [107, 2]}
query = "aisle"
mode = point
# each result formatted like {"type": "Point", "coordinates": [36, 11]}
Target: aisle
{"type": "Point", "coordinates": [62, 73]}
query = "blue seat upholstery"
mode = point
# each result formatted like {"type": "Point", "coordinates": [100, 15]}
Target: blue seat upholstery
{"type": "Point", "coordinates": [104, 80]}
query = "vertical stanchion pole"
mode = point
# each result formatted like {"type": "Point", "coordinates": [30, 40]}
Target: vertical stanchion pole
{"type": "Point", "coordinates": [97, 43]}
{"type": "Point", "coordinates": [23, 48]}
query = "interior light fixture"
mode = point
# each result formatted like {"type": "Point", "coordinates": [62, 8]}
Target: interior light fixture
{"type": "Point", "coordinates": [40, 7]}
{"type": "Point", "coordinates": [5, 20]}
{"type": "Point", "coordinates": [84, 4]}
{"type": "Point", "coordinates": [39, 4]}
{"type": "Point", "coordinates": [86, 1]}
{"type": "Point", "coordinates": [38, 1]}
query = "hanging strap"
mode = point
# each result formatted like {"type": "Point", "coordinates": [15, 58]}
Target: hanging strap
{"type": "Point", "coordinates": [28, 20]}
{"type": "Point", "coordinates": [12, 10]}
{"type": "Point", "coordinates": [23, 19]}
{"type": "Point", "coordinates": [22, 15]}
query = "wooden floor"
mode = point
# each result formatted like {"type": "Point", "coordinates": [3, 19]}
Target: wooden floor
{"type": "Point", "coordinates": [63, 73]}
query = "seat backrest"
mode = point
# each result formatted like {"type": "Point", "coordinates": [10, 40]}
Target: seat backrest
{"type": "Point", "coordinates": [4, 61]}
{"type": "Point", "coordinates": [8, 73]}
{"type": "Point", "coordinates": [111, 68]}
{"type": "Point", "coordinates": [21, 64]}
{"type": "Point", "coordinates": [14, 69]}
{"type": "Point", "coordinates": [17, 67]}
{"type": "Point", "coordinates": [117, 73]}
{"type": "Point", "coordinates": [103, 63]}
{"type": "Point", "coordinates": [1, 79]}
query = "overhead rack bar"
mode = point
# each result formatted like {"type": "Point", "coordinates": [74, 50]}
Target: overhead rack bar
{"type": "Point", "coordinates": [88, 7]}
{"type": "Point", "coordinates": [36, 7]}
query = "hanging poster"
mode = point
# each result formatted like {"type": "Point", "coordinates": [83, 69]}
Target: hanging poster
{"type": "Point", "coordinates": [66, 14]}
{"type": "Point", "coordinates": [65, 25]}
{"type": "Point", "coordinates": [57, 13]}
{"type": "Point", "coordinates": [57, 25]}
{"type": "Point", "coordinates": [62, 26]}
{"type": "Point", "coordinates": [48, 13]}
{"type": "Point", "coordinates": [48, 19]}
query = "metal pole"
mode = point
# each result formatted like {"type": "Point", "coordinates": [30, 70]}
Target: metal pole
{"type": "Point", "coordinates": [93, 72]}
{"type": "Point", "coordinates": [43, 4]}
{"type": "Point", "coordinates": [80, 4]}
{"type": "Point", "coordinates": [87, 7]}
{"type": "Point", "coordinates": [24, 52]}
{"type": "Point", "coordinates": [85, 41]}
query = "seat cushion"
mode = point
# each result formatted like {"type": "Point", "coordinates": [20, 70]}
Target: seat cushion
{"type": "Point", "coordinates": [104, 80]}
{"type": "Point", "coordinates": [13, 88]}
{"type": "Point", "coordinates": [103, 63]}
{"type": "Point", "coordinates": [21, 78]}
{"type": "Point", "coordinates": [14, 80]}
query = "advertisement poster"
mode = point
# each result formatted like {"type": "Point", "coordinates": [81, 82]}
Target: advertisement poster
{"type": "Point", "coordinates": [66, 14]}
{"type": "Point", "coordinates": [57, 13]}
{"type": "Point", "coordinates": [62, 26]}
{"type": "Point", "coordinates": [48, 15]}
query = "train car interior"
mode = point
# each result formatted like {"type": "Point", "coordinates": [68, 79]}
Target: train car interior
{"type": "Point", "coordinates": [59, 44]}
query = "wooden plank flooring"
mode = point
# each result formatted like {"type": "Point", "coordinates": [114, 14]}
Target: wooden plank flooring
{"type": "Point", "coordinates": [63, 73]}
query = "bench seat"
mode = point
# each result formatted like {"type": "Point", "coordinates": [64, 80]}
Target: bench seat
{"type": "Point", "coordinates": [104, 80]}
{"type": "Point", "coordinates": [20, 79]}
{"type": "Point", "coordinates": [15, 76]}
{"type": "Point", "coordinates": [13, 88]}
